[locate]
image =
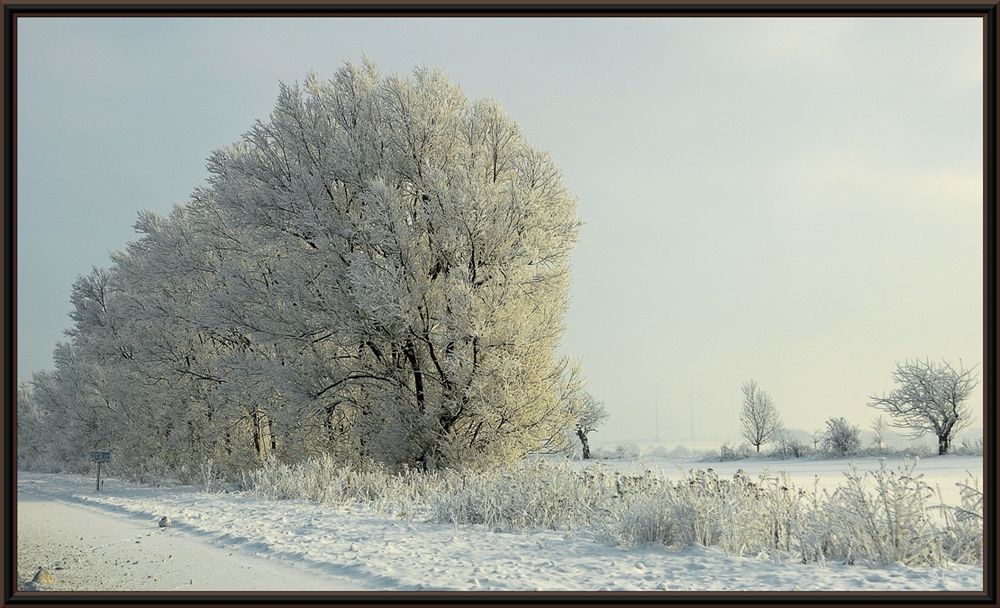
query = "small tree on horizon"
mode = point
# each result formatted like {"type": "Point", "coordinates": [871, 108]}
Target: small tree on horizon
{"type": "Point", "coordinates": [817, 438]}
{"type": "Point", "coordinates": [929, 398]}
{"type": "Point", "coordinates": [880, 427]}
{"type": "Point", "coordinates": [592, 415]}
{"type": "Point", "coordinates": [759, 419]}
{"type": "Point", "coordinates": [841, 438]}
{"type": "Point", "coordinates": [585, 412]}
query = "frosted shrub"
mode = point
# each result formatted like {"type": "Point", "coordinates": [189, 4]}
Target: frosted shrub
{"type": "Point", "coordinates": [741, 516]}
{"type": "Point", "coordinates": [883, 517]}
{"type": "Point", "coordinates": [841, 438]}
{"type": "Point", "coordinates": [627, 451]}
{"type": "Point", "coordinates": [646, 520]}
{"type": "Point", "coordinates": [762, 517]}
{"type": "Point", "coordinates": [661, 453]}
{"type": "Point", "coordinates": [812, 537]}
{"type": "Point", "coordinates": [789, 447]}
{"type": "Point", "coordinates": [139, 468]}
{"type": "Point", "coordinates": [963, 529]}
{"type": "Point", "coordinates": [527, 496]}
{"type": "Point", "coordinates": [727, 452]}
{"type": "Point", "coordinates": [973, 447]}
{"type": "Point", "coordinates": [640, 511]}
{"type": "Point", "coordinates": [697, 503]}
{"type": "Point", "coordinates": [621, 451]}
{"type": "Point", "coordinates": [210, 477]}
{"type": "Point", "coordinates": [323, 480]}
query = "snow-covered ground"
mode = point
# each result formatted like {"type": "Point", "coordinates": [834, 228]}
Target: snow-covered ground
{"type": "Point", "coordinates": [110, 541]}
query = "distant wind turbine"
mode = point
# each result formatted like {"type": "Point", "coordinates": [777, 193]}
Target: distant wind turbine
{"type": "Point", "coordinates": [656, 409]}
{"type": "Point", "coordinates": [692, 397]}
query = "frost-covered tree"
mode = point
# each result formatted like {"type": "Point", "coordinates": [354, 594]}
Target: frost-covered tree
{"type": "Point", "coordinates": [817, 438]}
{"type": "Point", "coordinates": [31, 426]}
{"type": "Point", "coordinates": [592, 415]}
{"type": "Point", "coordinates": [841, 438]}
{"type": "Point", "coordinates": [433, 244]}
{"type": "Point", "coordinates": [929, 397]}
{"type": "Point", "coordinates": [379, 270]}
{"type": "Point", "coordinates": [759, 419]}
{"type": "Point", "coordinates": [586, 413]}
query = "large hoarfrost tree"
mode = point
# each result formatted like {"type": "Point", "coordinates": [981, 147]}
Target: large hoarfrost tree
{"type": "Point", "coordinates": [378, 270]}
{"type": "Point", "coordinates": [431, 242]}
{"type": "Point", "coordinates": [929, 397]}
{"type": "Point", "coordinates": [759, 419]}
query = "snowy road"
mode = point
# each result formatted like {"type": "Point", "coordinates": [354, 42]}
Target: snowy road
{"type": "Point", "coordinates": [88, 549]}
{"type": "Point", "coordinates": [232, 541]}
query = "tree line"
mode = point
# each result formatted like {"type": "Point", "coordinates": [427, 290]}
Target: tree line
{"type": "Point", "coordinates": [929, 398]}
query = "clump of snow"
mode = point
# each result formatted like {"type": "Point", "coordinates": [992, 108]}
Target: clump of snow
{"type": "Point", "coordinates": [42, 577]}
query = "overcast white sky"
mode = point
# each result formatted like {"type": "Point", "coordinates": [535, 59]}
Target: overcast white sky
{"type": "Point", "coordinates": [797, 201]}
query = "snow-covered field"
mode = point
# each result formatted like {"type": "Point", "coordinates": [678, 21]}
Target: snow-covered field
{"type": "Point", "coordinates": [220, 541]}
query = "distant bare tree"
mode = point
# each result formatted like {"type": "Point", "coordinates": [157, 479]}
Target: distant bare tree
{"type": "Point", "coordinates": [817, 438]}
{"type": "Point", "coordinates": [880, 427]}
{"type": "Point", "coordinates": [929, 398]}
{"type": "Point", "coordinates": [759, 419]}
{"type": "Point", "coordinates": [592, 414]}
{"type": "Point", "coordinates": [584, 411]}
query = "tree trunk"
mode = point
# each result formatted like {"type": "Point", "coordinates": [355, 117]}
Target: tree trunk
{"type": "Point", "coordinates": [583, 441]}
{"type": "Point", "coordinates": [271, 435]}
{"type": "Point", "coordinates": [758, 448]}
{"type": "Point", "coordinates": [256, 442]}
{"type": "Point", "coordinates": [258, 435]}
{"type": "Point", "coordinates": [943, 445]}
{"type": "Point", "coordinates": [331, 433]}
{"type": "Point", "coordinates": [409, 349]}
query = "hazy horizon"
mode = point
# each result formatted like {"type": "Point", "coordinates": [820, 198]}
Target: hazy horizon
{"type": "Point", "coordinates": [797, 201]}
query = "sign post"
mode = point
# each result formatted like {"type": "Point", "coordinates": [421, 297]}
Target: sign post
{"type": "Point", "coordinates": [99, 457]}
